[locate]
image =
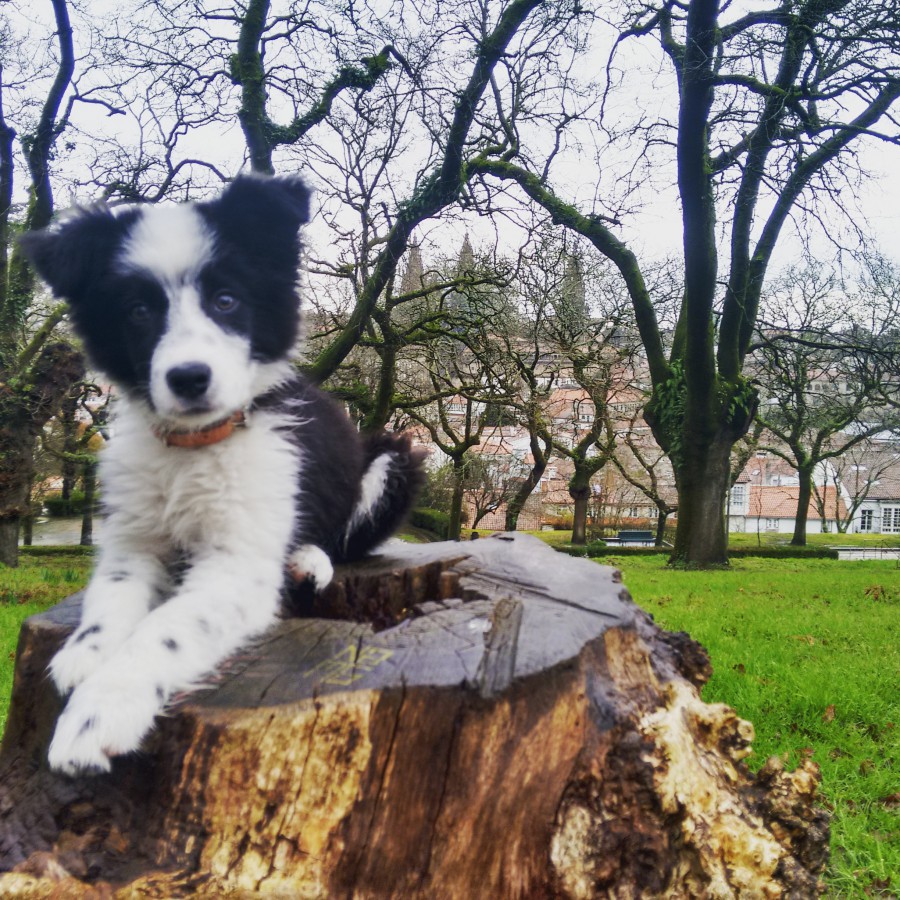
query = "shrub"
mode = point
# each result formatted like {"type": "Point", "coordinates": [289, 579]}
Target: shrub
{"type": "Point", "coordinates": [56, 506]}
{"type": "Point", "coordinates": [437, 492]}
{"type": "Point", "coordinates": [559, 523]}
{"type": "Point", "coordinates": [431, 520]}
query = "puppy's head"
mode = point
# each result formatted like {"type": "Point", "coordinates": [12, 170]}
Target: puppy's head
{"type": "Point", "coordinates": [190, 308]}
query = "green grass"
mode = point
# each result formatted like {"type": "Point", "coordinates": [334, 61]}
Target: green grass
{"type": "Point", "coordinates": [553, 538]}
{"type": "Point", "coordinates": [815, 540]}
{"type": "Point", "coordinates": [413, 535]}
{"type": "Point", "coordinates": [740, 541]}
{"type": "Point", "coordinates": [809, 651]}
{"type": "Point", "coordinates": [38, 582]}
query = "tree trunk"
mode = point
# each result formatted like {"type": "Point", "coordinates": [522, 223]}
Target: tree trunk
{"type": "Point", "coordinates": [703, 483]}
{"type": "Point", "coordinates": [27, 521]}
{"type": "Point", "coordinates": [456, 498]}
{"type": "Point", "coordinates": [23, 413]}
{"type": "Point", "coordinates": [804, 497]}
{"type": "Point", "coordinates": [69, 424]}
{"type": "Point", "coordinates": [661, 520]}
{"type": "Point", "coordinates": [16, 464]}
{"type": "Point", "coordinates": [28, 529]}
{"type": "Point", "coordinates": [580, 495]}
{"type": "Point", "coordinates": [511, 726]}
{"type": "Point", "coordinates": [89, 480]}
{"type": "Point", "coordinates": [383, 405]}
{"type": "Point", "coordinates": [9, 541]}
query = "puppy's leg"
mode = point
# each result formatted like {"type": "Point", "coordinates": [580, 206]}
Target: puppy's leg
{"type": "Point", "coordinates": [311, 563]}
{"type": "Point", "coordinates": [124, 585]}
{"type": "Point", "coordinates": [393, 478]}
{"type": "Point", "coordinates": [225, 599]}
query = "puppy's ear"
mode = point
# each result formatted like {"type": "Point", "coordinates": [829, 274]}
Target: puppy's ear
{"type": "Point", "coordinates": [255, 207]}
{"type": "Point", "coordinates": [69, 255]}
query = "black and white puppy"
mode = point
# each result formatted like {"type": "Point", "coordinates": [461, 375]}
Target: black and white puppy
{"type": "Point", "coordinates": [221, 454]}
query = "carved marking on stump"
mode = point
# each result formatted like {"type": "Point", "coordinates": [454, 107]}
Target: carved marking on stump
{"type": "Point", "coordinates": [349, 665]}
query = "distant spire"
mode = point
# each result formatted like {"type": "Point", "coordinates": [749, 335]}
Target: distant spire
{"type": "Point", "coordinates": [414, 275]}
{"type": "Point", "coordinates": [573, 285]}
{"type": "Point", "coordinates": [466, 261]}
{"type": "Point", "coordinates": [572, 304]}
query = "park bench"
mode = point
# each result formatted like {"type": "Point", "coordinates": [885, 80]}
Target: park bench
{"type": "Point", "coordinates": [488, 719]}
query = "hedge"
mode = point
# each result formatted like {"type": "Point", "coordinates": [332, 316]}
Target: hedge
{"type": "Point", "coordinates": [599, 549]}
{"type": "Point", "coordinates": [432, 520]}
{"type": "Point", "coordinates": [785, 552]}
{"type": "Point", "coordinates": [593, 548]}
{"type": "Point", "coordinates": [57, 507]}
{"type": "Point", "coordinates": [56, 550]}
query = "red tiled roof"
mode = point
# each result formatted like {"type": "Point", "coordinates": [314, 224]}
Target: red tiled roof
{"type": "Point", "coordinates": [780, 502]}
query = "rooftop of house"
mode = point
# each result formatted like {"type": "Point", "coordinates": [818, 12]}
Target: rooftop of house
{"type": "Point", "coordinates": [780, 502]}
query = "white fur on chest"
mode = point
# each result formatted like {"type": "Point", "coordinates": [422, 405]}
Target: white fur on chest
{"type": "Point", "coordinates": [239, 494]}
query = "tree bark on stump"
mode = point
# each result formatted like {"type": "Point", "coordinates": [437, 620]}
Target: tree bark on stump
{"type": "Point", "coordinates": [480, 720]}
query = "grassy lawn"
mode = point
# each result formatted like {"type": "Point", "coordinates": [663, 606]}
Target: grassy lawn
{"type": "Point", "coordinates": [38, 582]}
{"type": "Point", "coordinates": [816, 540]}
{"type": "Point", "coordinates": [809, 651]}
{"type": "Point", "coordinates": [741, 541]}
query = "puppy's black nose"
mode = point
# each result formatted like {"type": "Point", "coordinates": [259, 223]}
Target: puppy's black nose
{"type": "Point", "coordinates": [189, 381]}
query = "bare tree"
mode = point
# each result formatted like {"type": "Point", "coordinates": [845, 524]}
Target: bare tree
{"type": "Point", "coordinates": [587, 328]}
{"type": "Point", "coordinates": [403, 119]}
{"type": "Point", "coordinates": [642, 463]}
{"type": "Point", "coordinates": [769, 104]}
{"type": "Point", "coordinates": [454, 435]}
{"type": "Point", "coordinates": [36, 369]}
{"type": "Point", "coordinates": [75, 443]}
{"type": "Point", "coordinates": [490, 482]}
{"type": "Point", "coordinates": [440, 176]}
{"type": "Point", "coordinates": [819, 374]}
{"type": "Point", "coordinates": [876, 304]}
{"type": "Point", "coordinates": [854, 475]}
{"type": "Point", "coordinates": [457, 303]}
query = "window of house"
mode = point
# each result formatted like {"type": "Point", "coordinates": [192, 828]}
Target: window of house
{"type": "Point", "coordinates": [890, 519]}
{"type": "Point", "coordinates": [865, 519]}
{"type": "Point", "coordinates": [738, 496]}
{"type": "Point", "coordinates": [584, 411]}
{"type": "Point", "coordinates": [771, 524]}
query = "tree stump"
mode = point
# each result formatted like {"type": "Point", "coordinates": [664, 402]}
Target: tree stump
{"type": "Point", "coordinates": [480, 720]}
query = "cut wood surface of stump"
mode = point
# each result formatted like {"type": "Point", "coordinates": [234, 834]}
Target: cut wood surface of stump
{"type": "Point", "coordinates": [481, 720]}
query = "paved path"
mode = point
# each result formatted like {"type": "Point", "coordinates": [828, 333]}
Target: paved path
{"type": "Point", "coordinates": [61, 531]}
{"type": "Point", "coordinates": [868, 552]}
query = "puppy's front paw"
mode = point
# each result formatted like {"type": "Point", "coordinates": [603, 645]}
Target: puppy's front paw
{"type": "Point", "coordinates": [311, 563]}
{"type": "Point", "coordinates": [100, 721]}
{"type": "Point", "coordinates": [82, 654]}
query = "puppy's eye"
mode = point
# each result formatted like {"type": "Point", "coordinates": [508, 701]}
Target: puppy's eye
{"type": "Point", "coordinates": [139, 312]}
{"type": "Point", "coordinates": [224, 302]}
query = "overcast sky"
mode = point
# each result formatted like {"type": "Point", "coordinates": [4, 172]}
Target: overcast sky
{"type": "Point", "coordinates": [653, 232]}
